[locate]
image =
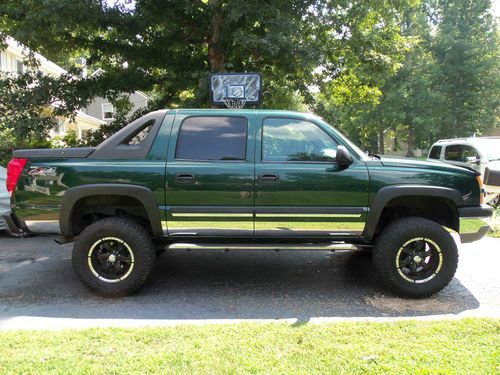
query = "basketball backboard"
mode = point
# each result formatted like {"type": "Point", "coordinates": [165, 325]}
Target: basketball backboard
{"type": "Point", "coordinates": [245, 88]}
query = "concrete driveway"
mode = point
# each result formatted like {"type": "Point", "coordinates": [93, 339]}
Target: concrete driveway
{"type": "Point", "coordinates": [38, 288]}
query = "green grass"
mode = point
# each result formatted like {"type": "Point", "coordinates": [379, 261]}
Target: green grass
{"type": "Point", "coordinates": [469, 346]}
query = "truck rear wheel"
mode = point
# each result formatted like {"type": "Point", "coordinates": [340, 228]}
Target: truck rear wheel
{"type": "Point", "coordinates": [114, 256]}
{"type": "Point", "coordinates": [415, 257]}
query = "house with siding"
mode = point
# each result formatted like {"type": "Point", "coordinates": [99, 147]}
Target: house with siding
{"type": "Point", "coordinates": [11, 62]}
{"type": "Point", "coordinates": [102, 109]}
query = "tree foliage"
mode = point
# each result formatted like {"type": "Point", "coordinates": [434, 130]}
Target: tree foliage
{"type": "Point", "coordinates": [467, 53]}
{"type": "Point", "coordinates": [449, 82]}
{"type": "Point", "coordinates": [415, 68]}
{"type": "Point", "coordinates": [172, 46]}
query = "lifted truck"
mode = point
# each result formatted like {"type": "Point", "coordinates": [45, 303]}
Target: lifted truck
{"type": "Point", "coordinates": [239, 179]}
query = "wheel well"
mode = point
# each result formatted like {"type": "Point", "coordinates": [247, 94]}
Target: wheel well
{"type": "Point", "coordinates": [440, 210]}
{"type": "Point", "coordinates": [90, 209]}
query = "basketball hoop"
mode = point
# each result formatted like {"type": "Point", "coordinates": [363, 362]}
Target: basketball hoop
{"type": "Point", "coordinates": [234, 103]}
{"type": "Point", "coordinates": [235, 90]}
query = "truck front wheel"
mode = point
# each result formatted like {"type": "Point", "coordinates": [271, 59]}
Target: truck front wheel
{"type": "Point", "coordinates": [415, 257]}
{"type": "Point", "coordinates": [114, 256]}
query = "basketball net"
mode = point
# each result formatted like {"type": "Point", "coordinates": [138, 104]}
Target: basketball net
{"type": "Point", "coordinates": [234, 103]}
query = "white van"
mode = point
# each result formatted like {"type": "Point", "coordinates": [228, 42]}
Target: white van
{"type": "Point", "coordinates": [479, 153]}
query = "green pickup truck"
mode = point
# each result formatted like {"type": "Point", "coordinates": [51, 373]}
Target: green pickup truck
{"type": "Point", "coordinates": [243, 179]}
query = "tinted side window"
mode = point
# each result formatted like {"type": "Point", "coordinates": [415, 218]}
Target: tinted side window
{"type": "Point", "coordinates": [435, 152]}
{"type": "Point", "coordinates": [212, 138]}
{"type": "Point", "coordinates": [453, 152]}
{"type": "Point", "coordinates": [296, 140]}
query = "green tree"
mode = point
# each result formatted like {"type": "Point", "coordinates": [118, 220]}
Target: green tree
{"type": "Point", "coordinates": [467, 53]}
{"type": "Point", "coordinates": [26, 115]}
{"type": "Point", "coordinates": [446, 86]}
{"type": "Point", "coordinates": [167, 46]}
{"type": "Point", "coordinates": [373, 48]}
{"type": "Point", "coordinates": [408, 104]}
{"type": "Point", "coordinates": [170, 47]}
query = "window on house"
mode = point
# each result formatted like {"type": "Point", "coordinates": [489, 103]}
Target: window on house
{"type": "Point", "coordinates": [19, 66]}
{"type": "Point", "coordinates": [435, 152]}
{"type": "Point", "coordinates": [108, 111]}
{"type": "Point", "coordinates": [3, 62]}
{"type": "Point", "coordinates": [296, 140]}
{"type": "Point", "coordinates": [60, 128]}
{"type": "Point", "coordinates": [212, 138]}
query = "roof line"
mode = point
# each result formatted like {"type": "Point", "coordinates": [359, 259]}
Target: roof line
{"type": "Point", "coordinates": [19, 49]}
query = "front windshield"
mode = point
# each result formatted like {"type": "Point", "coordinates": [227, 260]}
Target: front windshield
{"type": "Point", "coordinates": [490, 148]}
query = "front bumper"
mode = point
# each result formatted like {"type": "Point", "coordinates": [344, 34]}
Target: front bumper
{"type": "Point", "coordinates": [474, 222]}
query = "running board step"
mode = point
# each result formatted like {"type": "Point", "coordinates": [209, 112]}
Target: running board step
{"type": "Point", "coordinates": [275, 247]}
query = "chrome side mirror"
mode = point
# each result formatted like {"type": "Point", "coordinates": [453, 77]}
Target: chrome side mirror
{"type": "Point", "coordinates": [473, 160]}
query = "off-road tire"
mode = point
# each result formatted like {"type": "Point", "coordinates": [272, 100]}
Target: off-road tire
{"type": "Point", "coordinates": [386, 253]}
{"type": "Point", "coordinates": [139, 243]}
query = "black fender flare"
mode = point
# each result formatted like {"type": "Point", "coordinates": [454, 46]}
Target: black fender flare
{"type": "Point", "coordinates": [388, 193]}
{"type": "Point", "coordinates": [141, 193]}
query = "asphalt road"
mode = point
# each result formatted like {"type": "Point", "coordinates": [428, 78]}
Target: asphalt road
{"type": "Point", "coordinates": [38, 288]}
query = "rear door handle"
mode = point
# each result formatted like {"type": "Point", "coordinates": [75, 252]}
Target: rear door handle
{"type": "Point", "coordinates": [184, 178]}
{"type": "Point", "coordinates": [269, 178]}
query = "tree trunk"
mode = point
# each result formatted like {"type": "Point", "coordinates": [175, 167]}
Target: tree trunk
{"type": "Point", "coordinates": [411, 139]}
{"type": "Point", "coordinates": [381, 142]}
{"type": "Point", "coordinates": [215, 55]}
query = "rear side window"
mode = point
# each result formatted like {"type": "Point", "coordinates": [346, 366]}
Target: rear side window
{"type": "Point", "coordinates": [141, 134]}
{"type": "Point", "coordinates": [454, 152]}
{"type": "Point", "coordinates": [212, 138]}
{"type": "Point", "coordinates": [435, 152]}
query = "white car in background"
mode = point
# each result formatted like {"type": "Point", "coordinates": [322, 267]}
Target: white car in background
{"type": "Point", "coordinates": [480, 153]}
{"type": "Point", "coordinates": [4, 197]}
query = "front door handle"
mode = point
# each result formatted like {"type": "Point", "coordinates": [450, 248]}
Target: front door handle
{"type": "Point", "coordinates": [269, 178]}
{"type": "Point", "coordinates": [185, 178]}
